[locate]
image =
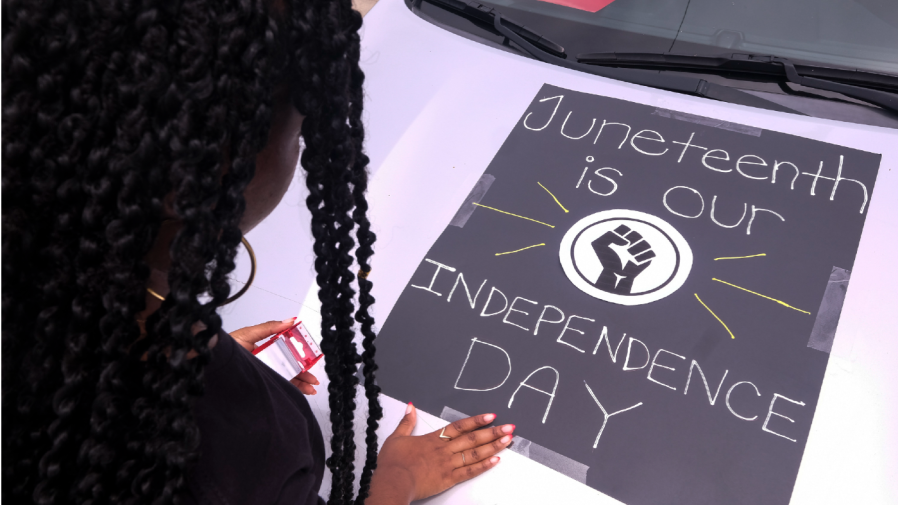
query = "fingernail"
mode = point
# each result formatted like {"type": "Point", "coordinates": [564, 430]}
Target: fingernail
{"type": "Point", "coordinates": [508, 428]}
{"type": "Point", "coordinates": [408, 409]}
{"type": "Point", "coordinates": [288, 320]}
{"type": "Point", "coordinates": [494, 460]}
{"type": "Point", "coordinates": [489, 417]}
{"type": "Point", "coordinates": [506, 439]}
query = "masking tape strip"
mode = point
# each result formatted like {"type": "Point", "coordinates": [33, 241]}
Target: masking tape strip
{"type": "Point", "coordinates": [477, 193]}
{"type": "Point", "coordinates": [451, 415]}
{"type": "Point", "coordinates": [535, 452]}
{"type": "Point", "coordinates": [824, 332]}
{"type": "Point", "coordinates": [707, 121]}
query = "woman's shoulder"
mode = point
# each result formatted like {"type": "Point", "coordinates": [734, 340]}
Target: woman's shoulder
{"type": "Point", "coordinates": [258, 435]}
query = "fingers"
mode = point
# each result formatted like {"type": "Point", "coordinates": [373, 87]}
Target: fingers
{"type": "Point", "coordinates": [407, 424]}
{"type": "Point", "coordinates": [622, 230]}
{"type": "Point", "coordinates": [462, 426]}
{"type": "Point", "coordinates": [303, 386]}
{"type": "Point", "coordinates": [304, 382]}
{"type": "Point", "coordinates": [482, 452]}
{"type": "Point", "coordinates": [307, 377]}
{"type": "Point", "coordinates": [480, 437]}
{"type": "Point", "coordinates": [470, 471]}
{"type": "Point", "coordinates": [252, 334]}
{"type": "Point", "coordinates": [639, 246]}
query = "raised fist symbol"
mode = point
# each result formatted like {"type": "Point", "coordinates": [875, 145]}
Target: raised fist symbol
{"type": "Point", "coordinates": [624, 255]}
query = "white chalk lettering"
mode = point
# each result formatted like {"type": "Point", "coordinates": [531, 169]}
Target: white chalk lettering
{"type": "Point", "coordinates": [729, 406]}
{"type": "Point", "coordinates": [836, 180]}
{"type": "Point", "coordinates": [559, 97]}
{"type": "Point", "coordinates": [742, 161]}
{"type": "Point", "coordinates": [711, 399]}
{"type": "Point", "coordinates": [567, 326]}
{"type": "Point", "coordinates": [702, 200]}
{"type": "Point", "coordinates": [461, 278]}
{"type": "Point", "coordinates": [718, 223]}
{"type": "Point", "coordinates": [648, 355]}
{"type": "Point", "coordinates": [440, 266]}
{"type": "Point", "coordinates": [475, 341]}
{"type": "Point", "coordinates": [770, 412]}
{"type": "Point", "coordinates": [687, 145]}
{"type": "Point", "coordinates": [755, 210]}
{"type": "Point", "coordinates": [605, 413]}
{"type": "Point", "coordinates": [639, 136]}
{"type": "Point", "coordinates": [582, 175]}
{"type": "Point", "coordinates": [776, 166]}
{"type": "Point", "coordinates": [618, 124]}
{"type": "Point", "coordinates": [551, 395]}
{"type": "Point", "coordinates": [609, 179]}
{"type": "Point", "coordinates": [708, 155]}
{"type": "Point", "coordinates": [604, 337]}
{"type": "Point", "coordinates": [581, 136]}
{"type": "Point", "coordinates": [542, 319]}
{"type": "Point", "coordinates": [816, 177]}
{"type": "Point", "coordinates": [655, 363]}
{"type": "Point", "coordinates": [487, 304]}
{"type": "Point", "coordinates": [512, 309]}
{"type": "Point", "coordinates": [839, 179]}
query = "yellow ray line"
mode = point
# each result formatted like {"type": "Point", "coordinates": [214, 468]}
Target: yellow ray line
{"type": "Point", "coordinates": [515, 215]}
{"type": "Point", "coordinates": [553, 196]}
{"type": "Point", "coordinates": [762, 296]}
{"type": "Point", "coordinates": [521, 249]}
{"type": "Point", "coordinates": [715, 316]}
{"type": "Point", "coordinates": [740, 257]}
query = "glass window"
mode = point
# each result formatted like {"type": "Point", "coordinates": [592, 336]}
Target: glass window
{"type": "Point", "coordinates": [854, 34]}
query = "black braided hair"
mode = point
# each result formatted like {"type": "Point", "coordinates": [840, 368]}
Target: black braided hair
{"type": "Point", "coordinates": [113, 112]}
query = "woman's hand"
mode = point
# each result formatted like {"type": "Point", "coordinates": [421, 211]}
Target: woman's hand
{"type": "Point", "coordinates": [247, 337]}
{"type": "Point", "coordinates": [411, 468]}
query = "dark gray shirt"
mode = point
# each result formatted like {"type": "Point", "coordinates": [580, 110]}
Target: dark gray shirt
{"type": "Point", "coordinates": [260, 442]}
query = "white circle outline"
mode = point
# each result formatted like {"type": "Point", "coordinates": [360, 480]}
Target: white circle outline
{"type": "Point", "coordinates": [567, 263]}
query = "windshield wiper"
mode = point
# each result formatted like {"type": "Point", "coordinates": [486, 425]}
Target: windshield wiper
{"type": "Point", "coordinates": [865, 86]}
{"type": "Point", "coordinates": [483, 14]}
{"type": "Point", "coordinates": [542, 49]}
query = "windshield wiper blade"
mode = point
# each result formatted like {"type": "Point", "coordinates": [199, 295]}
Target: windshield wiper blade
{"type": "Point", "coordinates": [810, 76]}
{"type": "Point", "coordinates": [740, 63]}
{"type": "Point", "coordinates": [678, 83]}
{"type": "Point", "coordinates": [476, 11]}
{"type": "Point", "coordinates": [545, 50]}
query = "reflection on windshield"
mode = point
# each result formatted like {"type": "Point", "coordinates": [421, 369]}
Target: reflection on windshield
{"type": "Point", "coordinates": [860, 34]}
{"type": "Point", "coordinates": [842, 32]}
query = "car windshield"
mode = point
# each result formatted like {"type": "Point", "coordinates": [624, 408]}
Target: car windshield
{"type": "Point", "coordinates": [853, 34]}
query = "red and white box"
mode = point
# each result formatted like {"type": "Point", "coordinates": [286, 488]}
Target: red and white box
{"type": "Point", "coordinates": [290, 352]}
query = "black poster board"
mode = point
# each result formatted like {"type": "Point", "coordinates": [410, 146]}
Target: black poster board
{"type": "Point", "coordinates": [647, 294]}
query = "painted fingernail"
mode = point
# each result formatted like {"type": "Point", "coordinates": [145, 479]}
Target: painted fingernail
{"type": "Point", "coordinates": [506, 439]}
{"type": "Point", "coordinates": [288, 320]}
{"type": "Point", "coordinates": [494, 460]}
{"type": "Point", "coordinates": [408, 409]}
{"type": "Point", "coordinates": [489, 417]}
{"type": "Point", "coordinates": [508, 428]}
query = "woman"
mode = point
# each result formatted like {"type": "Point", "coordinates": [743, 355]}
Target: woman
{"type": "Point", "coordinates": [141, 140]}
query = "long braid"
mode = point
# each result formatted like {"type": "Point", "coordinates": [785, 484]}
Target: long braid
{"type": "Point", "coordinates": [342, 161]}
{"type": "Point", "coordinates": [333, 136]}
{"type": "Point", "coordinates": [312, 79]}
{"type": "Point", "coordinates": [364, 252]}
